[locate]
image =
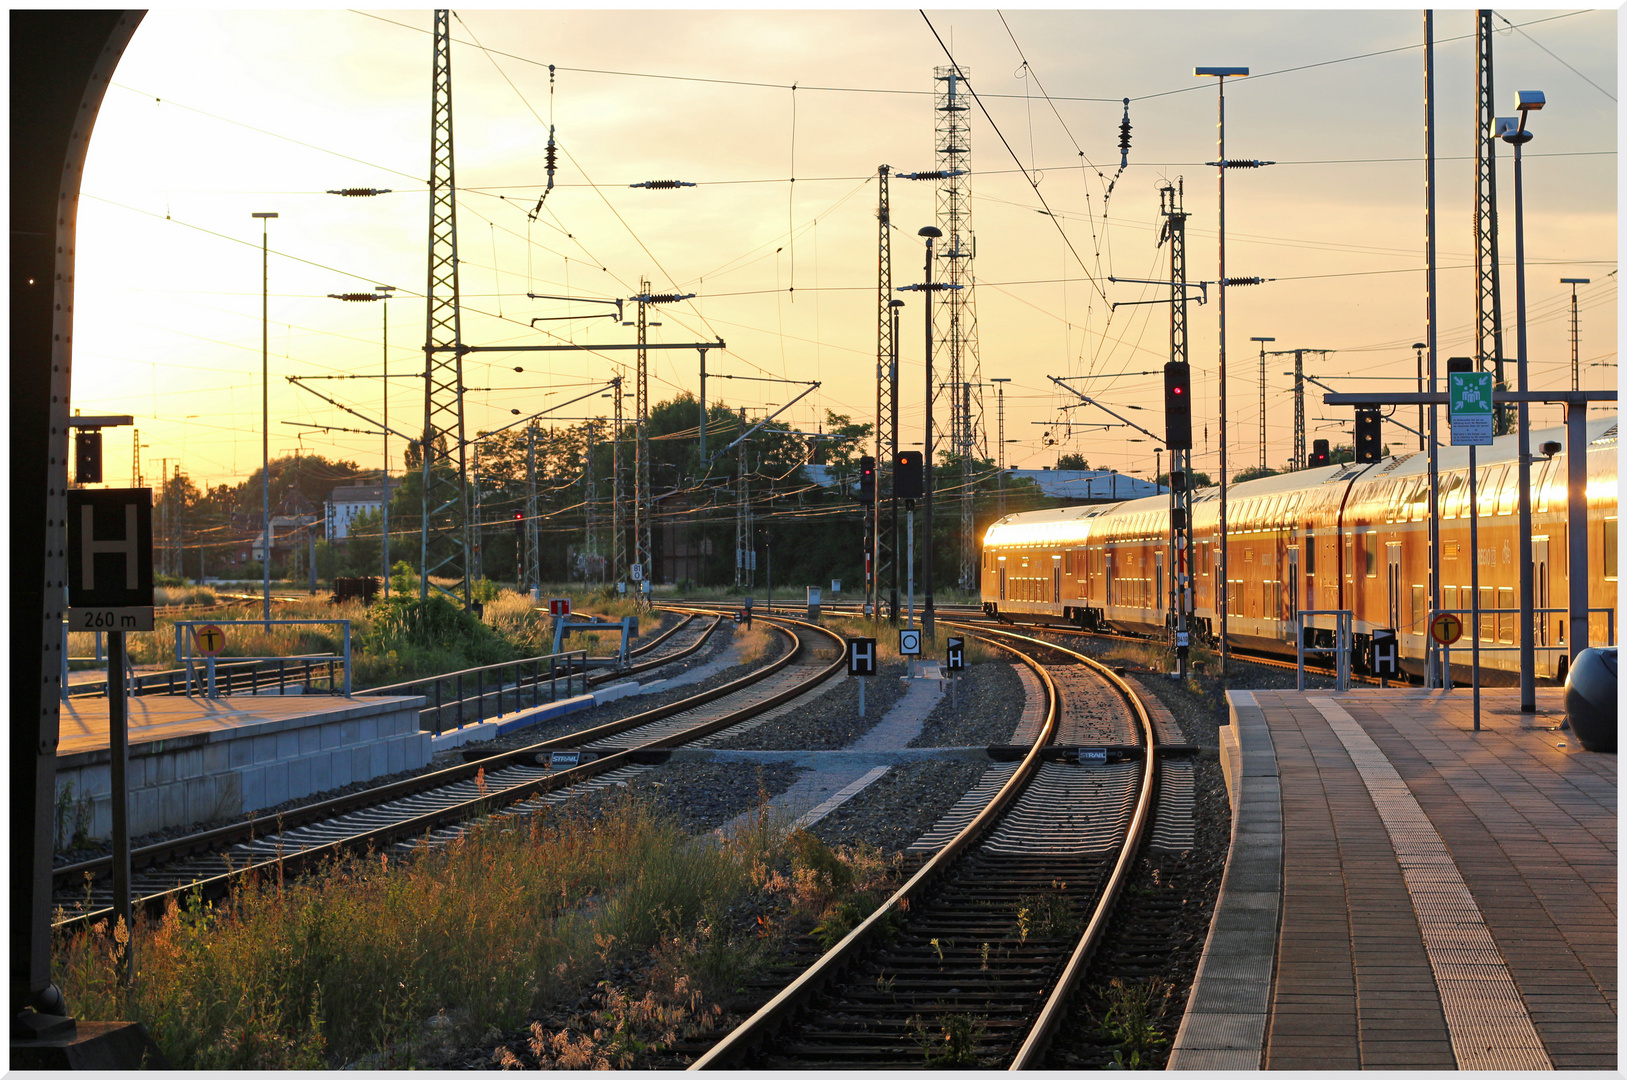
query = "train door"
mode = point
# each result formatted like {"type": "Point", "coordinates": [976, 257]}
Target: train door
{"type": "Point", "coordinates": [1539, 579]}
{"type": "Point", "coordinates": [1291, 575]}
{"type": "Point", "coordinates": [1107, 577]}
{"type": "Point", "coordinates": [1394, 587]}
{"type": "Point", "coordinates": [1056, 579]}
{"type": "Point", "coordinates": [1159, 585]}
{"type": "Point", "coordinates": [1002, 581]}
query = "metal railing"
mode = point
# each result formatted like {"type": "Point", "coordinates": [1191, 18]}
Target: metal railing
{"type": "Point", "coordinates": [1496, 644]}
{"type": "Point", "coordinates": [1343, 640]}
{"type": "Point", "coordinates": [338, 682]}
{"type": "Point", "coordinates": [506, 686]}
{"type": "Point", "coordinates": [236, 675]}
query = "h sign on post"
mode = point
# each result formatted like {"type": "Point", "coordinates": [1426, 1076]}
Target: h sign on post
{"type": "Point", "coordinates": [957, 654]}
{"type": "Point", "coordinates": [110, 559]}
{"type": "Point", "coordinates": [861, 656]}
{"type": "Point", "coordinates": [1386, 656]}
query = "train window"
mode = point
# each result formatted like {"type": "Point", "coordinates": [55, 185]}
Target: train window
{"type": "Point", "coordinates": [1610, 549]}
{"type": "Point", "coordinates": [1418, 618]}
{"type": "Point", "coordinates": [1508, 494]}
{"type": "Point", "coordinates": [1449, 596]}
{"type": "Point", "coordinates": [1487, 622]}
{"type": "Point", "coordinates": [1507, 610]}
{"type": "Point", "coordinates": [1310, 555]}
{"type": "Point", "coordinates": [1369, 552]}
{"type": "Point", "coordinates": [1350, 557]}
{"type": "Point", "coordinates": [1454, 493]}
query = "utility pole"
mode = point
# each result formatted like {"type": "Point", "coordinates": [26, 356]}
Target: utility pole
{"type": "Point", "coordinates": [884, 542]}
{"type": "Point", "coordinates": [643, 550]}
{"type": "Point", "coordinates": [1489, 309]}
{"type": "Point", "coordinates": [135, 458]}
{"type": "Point", "coordinates": [530, 573]}
{"type": "Point", "coordinates": [590, 492]}
{"type": "Point", "coordinates": [958, 311]}
{"type": "Point", "coordinates": [1000, 413]}
{"type": "Point", "coordinates": [1262, 341]}
{"type": "Point", "coordinates": [163, 517]}
{"type": "Point", "coordinates": [444, 532]}
{"type": "Point", "coordinates": [1180, 456]}
{"type": "Point", "coordinates": [618, 533]}
{"type": "Point", "coordinates": [1576, 340]}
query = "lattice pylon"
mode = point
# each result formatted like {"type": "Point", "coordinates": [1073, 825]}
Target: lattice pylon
{"type": "Point", "coordinates": [1489, 321]}
{"type": "Point", "coordinates": [955, 318]}
{"type": "Point", "coordinates": [642, 550]}
{"type": "Point", "coordinates": [444, 536]}
{"type": "Point", "coordinates": [884, 518]}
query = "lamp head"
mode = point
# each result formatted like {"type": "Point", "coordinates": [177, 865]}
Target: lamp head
{"type": "Point", "coordinates": [1530, 100]}
{"type": "Point", "coordinates": [1549, 449]}
{"type": "Point", "coordinates": [1504, 126]}
{"type": "Point", "coordinates": [895, 303]}
{"type": "Point", "coordinates": [930, 232]}
{"type": "Point", "coordinates": [1221, 71]}
{"type": "Point", "coordinates": [1419, 345]}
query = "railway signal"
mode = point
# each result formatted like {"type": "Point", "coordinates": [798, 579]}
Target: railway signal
{"type": "Point", "coordinates": [1369, 436]}
{"type": "Point", "coordinates": [1319, 455]}
{"type": "Point", "coordinates": [1178, 405]}
{"type": "Point", "coordinates": [908, 481]}
{"type": "Point", "coordinates": [1386, 661]}
{"type": "Point", "coordinates": [867, 480]}
{"type": "Point", "coordinates": [519, 524]}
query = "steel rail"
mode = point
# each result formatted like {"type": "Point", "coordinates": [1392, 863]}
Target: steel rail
{"type": "Point", "coordinates": [204, 842]}
{"type": "Point", "coordinates": [1033, 1048]}
{"type": "Point", "coordinates": [733, 1047]}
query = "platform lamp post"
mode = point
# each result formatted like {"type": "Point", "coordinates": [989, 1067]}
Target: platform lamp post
{"type": "Point", "coordinates": [1419, 348]}
{"type": "Point", "coordinates": [383, 293]}
{"type": "Point", "coordinates": [265, 403]}
{"type": "Point", "coordinates": [1222, 599]}
{"type": "Point", "coordinates": [1576, 341]}
{"type": "Point", "coordinates": [931, 232]}
{"type": "Point", "coordinates": [1527, 102]}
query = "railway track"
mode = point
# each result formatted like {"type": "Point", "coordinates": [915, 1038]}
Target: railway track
{"type": "Point", "coordinates": [970, 963]}
{"type": "Point", "coordinates": [436, 806]}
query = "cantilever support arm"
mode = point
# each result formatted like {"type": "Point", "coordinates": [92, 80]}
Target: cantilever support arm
{"type": "Point", "coordinates": [1105, 409]}
{"type": "Point", "coordinates": [747, 433]}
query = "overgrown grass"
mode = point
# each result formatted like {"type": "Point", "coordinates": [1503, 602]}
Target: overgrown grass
{"type": "Point", "coordinates": [380, 961]}
{"type": "Point", "coordinates": [392, 640]}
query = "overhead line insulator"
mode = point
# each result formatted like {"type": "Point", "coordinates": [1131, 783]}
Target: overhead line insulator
{"type": "Point", "coordinates": [661, 185]}
{"type": "Point", "coordinates": [1244, 281]}
{"type": "Point", "coordinates": [356, 192]}
{"type": "Point", "coordinates": [1239, 163]}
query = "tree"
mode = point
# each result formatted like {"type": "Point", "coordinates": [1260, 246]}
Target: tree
{"type": "Point", "coordinates": [1254, 472]}
{"type": "Point", "coordinates": [1072, 461]}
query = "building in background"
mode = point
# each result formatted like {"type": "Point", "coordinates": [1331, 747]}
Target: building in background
{"type": "Point", "coordinates": [348, 503]}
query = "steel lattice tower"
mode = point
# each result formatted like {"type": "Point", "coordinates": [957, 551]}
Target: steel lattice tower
{"type": "Point", "coordinates": [444, 535]}
{"type": "Point", "coordinates": [1489, 308]}
{"type": "Point", "coordinates": [1180, 459]}
{"type": "Point", "coordinates": [955, 320]}
{"type": "Point", "coordinates": [885, 537]}
{"type": "Point", "coordinates": [618, 530]}
{"type": "Point", "coordinates": [641, 464]}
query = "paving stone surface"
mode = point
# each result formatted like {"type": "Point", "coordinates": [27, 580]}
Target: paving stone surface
{"type": "Point", "coordinates": [1529, 820]}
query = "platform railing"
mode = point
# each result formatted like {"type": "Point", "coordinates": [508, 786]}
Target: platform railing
{"type": "Point", "coordinates": [338, 679]}
{"type": "Point", "coordinates": [236, 675]}
{"type": "Point", "coordinates": [476, 694]}
{"type": "Point", "coordinates": [1343, 639]}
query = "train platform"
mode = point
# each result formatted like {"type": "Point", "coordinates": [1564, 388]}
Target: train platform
{"type": "Point", "coordinates": [1405, 892]}
{"type": "Point", "coordinates": [193, 760]}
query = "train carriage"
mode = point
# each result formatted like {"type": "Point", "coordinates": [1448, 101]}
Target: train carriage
{"type": "Point", "coordinates": [1344, 537]}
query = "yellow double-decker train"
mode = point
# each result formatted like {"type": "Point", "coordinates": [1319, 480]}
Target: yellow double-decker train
{"type": "Point", "coordinates": [1343, 537]}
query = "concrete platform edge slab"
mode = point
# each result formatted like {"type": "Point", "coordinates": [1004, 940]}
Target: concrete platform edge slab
{"type": "Point", "coordinates": [1225, 1021]}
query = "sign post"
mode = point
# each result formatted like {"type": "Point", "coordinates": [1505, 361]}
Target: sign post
{"type": "Point", "coordinates": [1468, 407]}
{"type": "Point", "coordinates": [209, 640]}
{"type": "Point", "coordinates": [955, 659]}
{"type": "Point", "coordinates": [909, 645]}
{"type": "Point", "coordinates": [110, 587]}
{"type": "Point", "coordinates": [1445, 628]}
{"type": "Point", "coordinates": [861, 661]}
{"type": "Point", "coordinates": [1386, 660]}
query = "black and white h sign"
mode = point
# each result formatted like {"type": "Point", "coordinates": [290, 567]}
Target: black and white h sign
{"type": "Point", "coordinates": [110, 559]}
{"type": "Point", "coordinates": [861, 656]}
{"type": "Point", "coordinates": [1386, 661]}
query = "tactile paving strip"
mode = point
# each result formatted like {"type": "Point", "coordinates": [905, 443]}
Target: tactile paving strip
{"type": "Point", "coordinates": [1485, 1016]}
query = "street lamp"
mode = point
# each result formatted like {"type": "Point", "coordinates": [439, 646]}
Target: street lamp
{"type": "Point", "coordinates": [265, 404]}
{"type": "Point", "coordinates": [1222, 599]}
{"type": "Point", "coordinates": [931, 232]}
{"type": "Point", "coordinates": [383, 294]}
{"type": "Point", "coordinates": [1527, 102]}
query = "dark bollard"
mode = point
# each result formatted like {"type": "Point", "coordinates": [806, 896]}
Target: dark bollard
{"type": "Point", "coordinates": [1590, 699]}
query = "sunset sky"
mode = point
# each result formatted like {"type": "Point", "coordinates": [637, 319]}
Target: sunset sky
{"type": "Point", "coordinates": [215, 115]}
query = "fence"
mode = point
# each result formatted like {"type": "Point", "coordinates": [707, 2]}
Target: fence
{"type": "Point", "coordinates": [1343, 636]}
{"type": "Point", "coordinates": [338, 682]}
{"type": "Point", "coordinates": [523, 678]}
